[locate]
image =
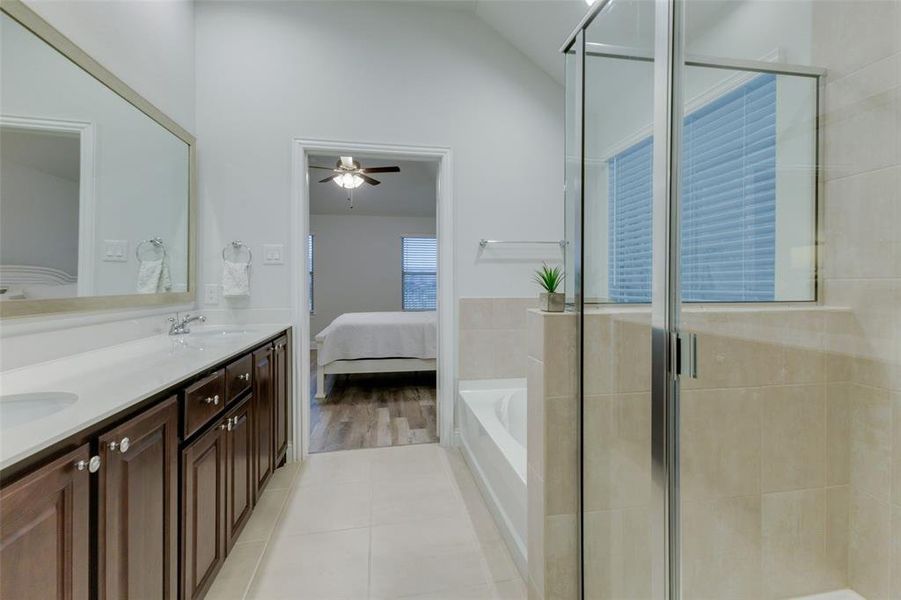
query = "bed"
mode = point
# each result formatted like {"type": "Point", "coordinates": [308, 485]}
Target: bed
{"type": "Point", "coordinates": [21, 282]}
{"type": "Point", "coordinates": [376, 342]}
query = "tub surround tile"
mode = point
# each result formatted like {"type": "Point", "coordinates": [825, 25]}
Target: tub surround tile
{"type": "Point", "coordinates": [617, 465]}
{"type": "Point", "coordinates": [838, 433]}
{"type": "Point", "coordinates": [793, 447]}
{"type": "Point", "coordinates": [561, 475]}
{"type": "Point", "coordinates": [870, 546]}
{"type": "Point", "coordinates": [795, 559]}
{"type": "Point", "coordinates": [618, 547]}
{"type": "Point", "coordinates": [837, 532]}
{"type": "Point", "coordinates": [493, 340]}
{"type": "Point", "coordinates": [896, 552]}
{"type": "Point", "coordinates": [722, 536]}
{"type": "Point", "coordinates": [871, 443]}
{"type": "Point", "coordinates": [896, 448]}
{"type": "Point", "coordinates": [721, 437]}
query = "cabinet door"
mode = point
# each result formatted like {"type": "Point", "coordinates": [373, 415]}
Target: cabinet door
{"type": "Point", "coordinates": [203, 511]}
{"type": "Point", "coordinates": [138, 507]}
{"type": "Point", "coordinates": [239, 483]}
{"type": "Point", "coordinates": [282, 397]}
{"type": "Point", "coordinates": [263, 418]}
{"type": "Point", "coordinates": [44, 532]}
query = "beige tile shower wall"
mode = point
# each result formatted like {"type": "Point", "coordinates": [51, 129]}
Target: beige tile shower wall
{"type": "Point", "coordinates": [493, 337]}
{"type": "Point", "coordinates": [861, 269]}
{"type": "Point", "coordinates": [765, 453]}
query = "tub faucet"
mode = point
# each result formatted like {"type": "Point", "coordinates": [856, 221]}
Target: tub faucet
{"type": "Point", "coordinates": [180, 326]}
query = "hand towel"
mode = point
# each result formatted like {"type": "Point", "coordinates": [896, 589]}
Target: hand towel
{"type": "Point", "coordinates": [235, 279]}
{"type": "Point", "coordinates": [149, 272]}
{"type": "Point", "coordinates": [165, 283]}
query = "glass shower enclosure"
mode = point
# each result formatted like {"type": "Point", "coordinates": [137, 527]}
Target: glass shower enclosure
{"type": "Point", "coordinates": [733, 213]}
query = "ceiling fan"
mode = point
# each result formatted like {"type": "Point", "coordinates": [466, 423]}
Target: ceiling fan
{"type": "Point", "coordinates": [349, 174]}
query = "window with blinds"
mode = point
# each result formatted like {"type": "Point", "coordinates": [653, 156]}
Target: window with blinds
{"type": "Point", "coordinates": [310, 269]}
{"type": "Point", "coordinates": [728, 220]}
{"type": "Point", "coordinates": [419, 266]}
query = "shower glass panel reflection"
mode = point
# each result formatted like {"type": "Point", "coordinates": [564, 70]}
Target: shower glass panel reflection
{"type": "Point", "coordinates": [785, 448]}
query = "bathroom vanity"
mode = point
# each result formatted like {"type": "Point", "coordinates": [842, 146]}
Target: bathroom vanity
{"type": "Point", "coordinates": [140, 486]}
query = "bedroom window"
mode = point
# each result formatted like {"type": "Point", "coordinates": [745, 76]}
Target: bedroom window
{"type": "Point", "coordinates": [419, 268]}
{"type": "Point", "coordinates": [310, 270]}
{"type": "Point", "coordinates": [728, 203]}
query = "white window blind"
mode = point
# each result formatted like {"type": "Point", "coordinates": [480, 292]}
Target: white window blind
{"type": "Point", "coordinates": [728, 219]}
{"type": "Point", "coordinates": [420, 272]}
{"type": "Point", "coordinates": [310, 269]}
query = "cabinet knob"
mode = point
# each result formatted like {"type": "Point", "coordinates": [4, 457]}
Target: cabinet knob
{"type": "Point", "coordinates": [214, 400]}
{"type": "Point", "coordinates": [122, 445]}
{"type": "Point", "coordinates": [92, 465]}
{"type": "Point", "coordinates": [222, 426]}
{"type": "Point", "coordinates": [230, 424]}
{"type": "Point", "coordinates": [244, 377]}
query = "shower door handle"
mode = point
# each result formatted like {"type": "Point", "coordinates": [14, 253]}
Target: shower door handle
{"type": "Point", "coordinates": [687, 355]}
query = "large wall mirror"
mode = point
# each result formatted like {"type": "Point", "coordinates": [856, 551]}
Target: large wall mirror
{"type": "Point", "coordinates": [96, 184]}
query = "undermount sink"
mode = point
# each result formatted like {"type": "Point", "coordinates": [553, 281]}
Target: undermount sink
{"type": "Point", "coordinates": [17, 409]}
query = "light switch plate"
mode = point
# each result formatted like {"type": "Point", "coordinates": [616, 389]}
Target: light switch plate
{"type": "Point", "coordinates": [211, 293]}
{"type": "Point", "coordinates": [273, 254]}
{"type": "Point", "coordinates": [115, 250]}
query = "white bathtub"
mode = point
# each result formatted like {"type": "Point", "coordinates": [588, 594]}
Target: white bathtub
{"type": "Point", "coordinates": [493, 438]}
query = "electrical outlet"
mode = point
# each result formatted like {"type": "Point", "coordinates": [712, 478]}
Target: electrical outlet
{"type": "Point", "coordinates": [115, 250]}
{"type": "Point", "coordinates": [273, 254]}
{"type": "Point", "coordinates": [211, 293]}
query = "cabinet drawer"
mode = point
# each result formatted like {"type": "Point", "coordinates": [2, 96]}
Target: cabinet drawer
{"type": "Point", "coordinates": [203, 401]}
{"type": "Point", "coordinates": [238, 378]}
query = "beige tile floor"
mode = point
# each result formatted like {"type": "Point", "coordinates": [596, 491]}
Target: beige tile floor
{"type": "Point", "coordinates": [386, 523]}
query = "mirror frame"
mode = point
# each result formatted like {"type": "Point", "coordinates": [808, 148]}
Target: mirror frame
{"type": "Point", "coordinates": [29, 19]}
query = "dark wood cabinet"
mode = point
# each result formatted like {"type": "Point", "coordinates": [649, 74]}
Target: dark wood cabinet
{"type": "Point", "coordinates": [263, 418]}
{"type": "Point", "coordinates": [203, 511]}
{"type": "Point", "coordinates": [174, 481]}
{"type": "Point", "coordinates": [239, 481]}
{"type": "Point", "coordinates": [280, 374]}
{"type": "Point", "coordinates": [45, 549]}
{"type": "Point", "coordinates": [138, 506]}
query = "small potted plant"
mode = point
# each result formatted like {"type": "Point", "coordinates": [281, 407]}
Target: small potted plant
{"type": "Point", "coordinates": [549, 278]}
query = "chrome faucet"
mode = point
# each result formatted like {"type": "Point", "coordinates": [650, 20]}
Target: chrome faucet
{"type": "Point", "coordinates": [180, 326]}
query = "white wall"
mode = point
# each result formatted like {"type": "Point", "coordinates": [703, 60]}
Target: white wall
{"type": "Point", "coordinates": [148, 44]}
{"type": "Point", "coordinates": [409, 74]}
{"type": "Point", "coordinates": [357, 263]}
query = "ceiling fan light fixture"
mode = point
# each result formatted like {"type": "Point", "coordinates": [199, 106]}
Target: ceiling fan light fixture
{"type": "Point", "coordinates": [348, 181]}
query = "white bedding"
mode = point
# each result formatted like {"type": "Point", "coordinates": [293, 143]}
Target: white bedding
{"type": "Point", "coordinates": [355, 336]}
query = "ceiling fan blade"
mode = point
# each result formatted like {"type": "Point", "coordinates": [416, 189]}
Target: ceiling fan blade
{"type": "Point", "coordinates": [381, 170]}
{"type": "Point", "coordinates": [327, 179]}
{"type": "Point", "coordinates": [324, 168]}
{"type": "Point", "coordinates": [369, 179]}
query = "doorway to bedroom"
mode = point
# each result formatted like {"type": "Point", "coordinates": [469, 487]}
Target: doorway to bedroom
{"type": "Point", "coordinates": [372, 278]}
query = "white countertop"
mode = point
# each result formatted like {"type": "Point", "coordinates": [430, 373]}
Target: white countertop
{"type": "Point", "coordinates": [111, 379]}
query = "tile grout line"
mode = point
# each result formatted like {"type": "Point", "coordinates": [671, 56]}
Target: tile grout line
{"type": "Point", "coordinates": [268, 540]}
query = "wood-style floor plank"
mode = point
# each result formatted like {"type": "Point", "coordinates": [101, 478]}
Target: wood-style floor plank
{"type": "Point", "coordinates": [373, 410]}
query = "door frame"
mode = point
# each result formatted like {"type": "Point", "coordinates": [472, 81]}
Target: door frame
{"type": "Point", "coordinates": [86, 193]}
{"type": "Point", "coordinates": [299, 230]}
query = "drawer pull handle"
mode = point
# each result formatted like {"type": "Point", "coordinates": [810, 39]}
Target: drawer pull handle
{"type": "Point", "coordinates": [244, 377]}
{"type": "Point", "coordinates": [122, 445]}
{"type": "Point", "coordinates": [230, 424]}
{"type": "Point", "coordinates": [214, 400]}
{"type": "Point", "coordinates": [92, 465]}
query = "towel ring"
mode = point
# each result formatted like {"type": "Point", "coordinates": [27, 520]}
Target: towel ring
{"type": "Point", "coordinates": [236, 246]}
{"type": "Point", "coordinates": [156, 243]}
